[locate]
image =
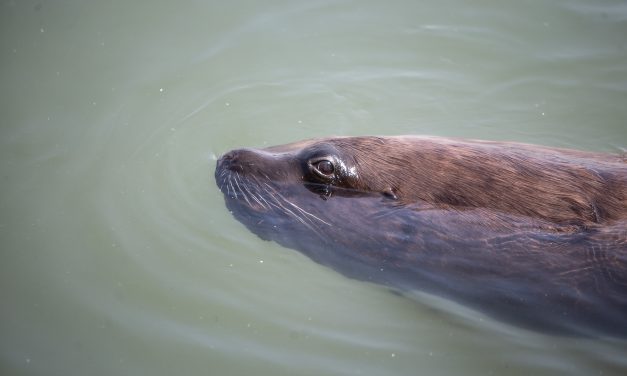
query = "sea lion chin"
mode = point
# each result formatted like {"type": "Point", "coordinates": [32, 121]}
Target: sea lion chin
{"type": "Point", "coordinates": [532, 235]}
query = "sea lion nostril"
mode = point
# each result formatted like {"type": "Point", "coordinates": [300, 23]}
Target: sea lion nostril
{"type": "Point", "coordinates": [231, 161]}
{"type": "Point", "coordinates": [228, 156]}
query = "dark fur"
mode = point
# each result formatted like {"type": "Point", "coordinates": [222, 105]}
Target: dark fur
{"type": "Point", "coordinates": [536, 236]}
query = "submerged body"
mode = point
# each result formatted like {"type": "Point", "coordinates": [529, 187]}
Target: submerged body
{"type": "Point", "coordinates": [531, 235]}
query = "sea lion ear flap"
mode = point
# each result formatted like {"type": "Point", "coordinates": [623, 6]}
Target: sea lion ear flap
{"type": "Point", "coordinates": [390, 193]}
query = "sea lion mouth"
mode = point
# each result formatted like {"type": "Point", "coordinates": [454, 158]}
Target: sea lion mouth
{"type": "Point", "coordinates": [251, 190]}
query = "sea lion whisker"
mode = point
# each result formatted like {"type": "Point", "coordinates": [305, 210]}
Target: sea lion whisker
{"type": "Point", "coordinates": [260, 197]}
{"type": "Point", "coordinates": [387, 212]}
{"type": "Point", "coordinates": [241, 190]}
{"type": "Point", "coordinates": [304, 220]}
{"type": "Point", "coordinates": [277, 193]}
{"type": "Point", "coordinates": [258, 201]}
{"type": "Point", "coordinates": [299, 219]}
{"type": "Point", "coordinates": [273, 190]}
{"type": "Point", "coordinates": [577, 270]}
{"type": "Point", "coordinates": [252, 188]}
{"type": "Point", "coordinates": [235, 195]}
{"type": "Point", "coordinates": [236, 180]}
{"type": "Point", "coordinates": [306, 212]}
{"type": "Point", "coordinates": [255, 197]}
{"type": "Point", "coordinates": [228, 188]}
{"type": "Point", "coordinates": [224, 175]}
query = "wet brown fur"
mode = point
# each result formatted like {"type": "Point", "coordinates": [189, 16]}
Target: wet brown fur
{"type": "Point", "coordinates": [558, 185]}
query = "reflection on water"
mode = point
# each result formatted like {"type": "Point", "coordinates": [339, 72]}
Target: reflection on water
{"type": "Point", "coordinates": [118, 253]}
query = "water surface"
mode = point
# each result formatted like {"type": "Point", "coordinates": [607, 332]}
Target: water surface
{"type": "Point", "coordinates": [118, 254]}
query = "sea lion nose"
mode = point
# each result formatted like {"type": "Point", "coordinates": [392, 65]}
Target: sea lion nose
{"type": "Point", "coordinates": [236, 160]}
{"type": "Point", "coordinates": [228, 157]}
{"type": "Point", "coordinates": [229, 160]}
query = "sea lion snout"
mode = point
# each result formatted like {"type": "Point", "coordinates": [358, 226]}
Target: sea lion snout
{"type": "Point", "coordinates": [241, 160]}
{"type": "Point", "coordinates": [257, 162]}
{"type": "Point", "coordinates": [238, 160]}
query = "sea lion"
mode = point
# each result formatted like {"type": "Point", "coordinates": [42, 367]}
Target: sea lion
{"type": "Point", "coordinates": [532, 235]}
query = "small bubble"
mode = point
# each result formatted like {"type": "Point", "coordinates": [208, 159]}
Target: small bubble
{"type": "Point", "coordinates": [41, 30]}
{"type": "Point", "coordinates": [161, 90]}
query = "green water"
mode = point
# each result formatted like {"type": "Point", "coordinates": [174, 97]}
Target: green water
{"type": "Point", "coordinates": [118, 255]}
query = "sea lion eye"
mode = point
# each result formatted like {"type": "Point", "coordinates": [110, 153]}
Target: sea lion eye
{"type": "Point", "coordinates": [325, 167]}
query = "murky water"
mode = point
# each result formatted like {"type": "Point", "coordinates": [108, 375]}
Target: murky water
{"type": "Point", "coordinates": [118, 254]}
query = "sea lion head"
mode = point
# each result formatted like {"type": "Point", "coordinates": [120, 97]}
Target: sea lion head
{"type": "Point", "coordinates": [327, 167]}
{"type": "Point", "coordinates": [324, 197]}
